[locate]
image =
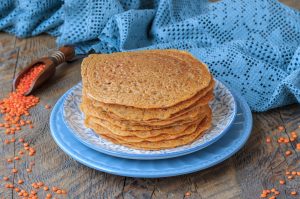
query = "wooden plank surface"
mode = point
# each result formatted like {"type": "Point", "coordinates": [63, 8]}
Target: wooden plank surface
{"type": "Point", "coordinates": [257, 166]}
{"type": "Point", "coordinates": [8, 61]}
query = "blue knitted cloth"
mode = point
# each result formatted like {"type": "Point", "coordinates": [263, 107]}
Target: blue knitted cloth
{"type": "Point", "coordinates": [252, 45]}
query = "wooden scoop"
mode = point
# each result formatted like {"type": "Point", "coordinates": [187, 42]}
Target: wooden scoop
{"type": "Point", "coordinates": [63, 54]}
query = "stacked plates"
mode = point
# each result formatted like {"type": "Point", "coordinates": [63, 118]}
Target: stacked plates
{"type": "Point", "coordinates": [231, 127]}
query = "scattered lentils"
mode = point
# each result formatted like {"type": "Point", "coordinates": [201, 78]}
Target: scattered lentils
{"type": "Point", "coordinates": [12, 108]}
{"type": "Point", "coordinates": [272, 193]}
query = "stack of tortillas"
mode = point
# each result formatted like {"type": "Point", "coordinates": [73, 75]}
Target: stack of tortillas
{"type": "Point", "coordinates": [149, 100]}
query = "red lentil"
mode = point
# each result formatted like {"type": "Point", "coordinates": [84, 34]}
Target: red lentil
{"type": "Point", "coordinates": [9, 186]}
{"type": "Point", "coordinates": [263, 195]}
{"type": "Point", "coordinates": [293, 193]}
{"type": "Point", "coordinates": [286, 140]}
{"type": "Point", "coordinates": [294, 136]}
{"type": "Point", "coordinates": [281, 182]}
{"type": "Point", "coordinates": [268, 140]}
{"type": "Point", "coordinates": [5, 178]}
{"type": "Point", "coordinates": [280, 128]}
{"type": "Point", "coordinates": [288, 152]}
{"type": "Point", "coordinates": [20, 181]}
{"type": "Point", "coordinates": [17, 189]}
{"type": "Point", "coordinates": [47, 106]}
{"type": "Point", "coordinates": [273, 190]}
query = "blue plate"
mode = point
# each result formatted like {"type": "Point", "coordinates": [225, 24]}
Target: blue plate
{"type": "Point", "coordinates": [223, 107]}
{"type": "Point", "coordinates": [229, 144]}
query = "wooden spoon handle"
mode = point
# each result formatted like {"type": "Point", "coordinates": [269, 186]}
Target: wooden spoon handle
{"type": "Point", "coordinates": [63, 54]}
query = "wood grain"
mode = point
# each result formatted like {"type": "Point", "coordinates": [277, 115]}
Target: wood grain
{"type": "Point", "coordinates": [8, 61]}
{"type": "Point", "coordinates": [255, 167]}
{"type": "Point", "coordinates": [292, 3]}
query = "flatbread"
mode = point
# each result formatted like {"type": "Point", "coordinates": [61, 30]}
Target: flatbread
{"type": "Point", "coordinates": [173, 130]}
{"type": "Point", "coordinates": [185, 114]}
{"type": "Point", "coordinates": [89, 110]}
{"type": "Point", "coordinates": [165, 144]}
{"type": "Point", "coordinates": [144, 79]}
{"type": "Point", "coordinates": [137, 114]}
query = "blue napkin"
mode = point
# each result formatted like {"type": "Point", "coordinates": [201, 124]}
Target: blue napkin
{"type": "Point", "coordinates": [252, 45]}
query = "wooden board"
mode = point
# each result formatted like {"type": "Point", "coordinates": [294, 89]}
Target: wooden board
{"type": "Point", "coordinates": [257, 166]}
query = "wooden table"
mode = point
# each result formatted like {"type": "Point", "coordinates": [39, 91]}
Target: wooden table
{"type": "Point", "coordinates": [257, 166]}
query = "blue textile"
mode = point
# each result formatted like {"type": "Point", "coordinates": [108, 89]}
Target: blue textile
{"type": "Point", "coordinates": [253, 45]}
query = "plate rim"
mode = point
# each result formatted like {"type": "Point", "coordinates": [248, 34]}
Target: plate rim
{"type": "Point", "coordinates": [134, 173]}
{"type": "Point", "coordinates": [151, 156]}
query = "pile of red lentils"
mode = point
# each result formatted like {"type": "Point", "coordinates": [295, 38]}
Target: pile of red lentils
{"type": "Point", "coordinates": [13, 111]}
{"type": "Point", "coordinates": [290, 175]}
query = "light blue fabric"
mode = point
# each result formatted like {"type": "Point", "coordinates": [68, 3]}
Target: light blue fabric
{"type": "Point", "coordinates": [253, 45]}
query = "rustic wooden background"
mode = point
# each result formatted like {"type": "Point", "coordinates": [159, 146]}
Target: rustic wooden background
{"type": "Point", "coordinates": [257, 166]}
